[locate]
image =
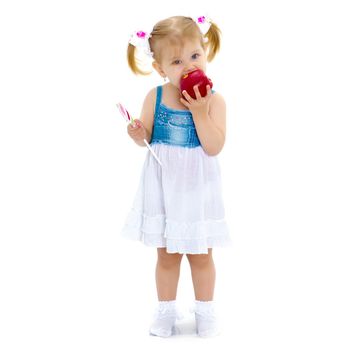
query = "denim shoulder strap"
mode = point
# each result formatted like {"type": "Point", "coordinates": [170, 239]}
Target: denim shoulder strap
{"type": "Point", "coordinates": [159, 98]}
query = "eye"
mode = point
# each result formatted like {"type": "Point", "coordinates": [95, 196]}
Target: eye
{"type": "Point", "coordinates": [177, 62]}
{"type": "Point", "coordinates": [195, 56]}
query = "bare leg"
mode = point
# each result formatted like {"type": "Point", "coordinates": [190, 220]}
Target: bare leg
{"type": "Point", "coordinates": [203, 275]}
{"type": "Point", "coordinates": [167, 274]}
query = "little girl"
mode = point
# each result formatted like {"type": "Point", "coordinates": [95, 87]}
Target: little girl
{"type": "Point", "coordinates": [178, 207]}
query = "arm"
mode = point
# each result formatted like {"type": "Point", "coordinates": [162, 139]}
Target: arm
{"type": "Point", "coordinates": [209, 116]}
{"type": "Point", "coordinates": [143, 127]}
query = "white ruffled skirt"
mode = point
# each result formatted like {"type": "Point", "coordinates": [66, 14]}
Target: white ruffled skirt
{"type": "Point", "coordinates": [179, 205]}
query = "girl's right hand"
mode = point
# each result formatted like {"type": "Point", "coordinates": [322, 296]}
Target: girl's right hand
{"type": "Point", "coordinates": [137, 131]}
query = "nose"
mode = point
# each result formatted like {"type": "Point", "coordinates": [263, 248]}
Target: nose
{"type": "Point", "coordinates": [189, 69]}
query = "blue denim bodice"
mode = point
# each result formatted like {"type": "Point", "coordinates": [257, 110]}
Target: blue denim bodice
{"type": "Point", "coordinates": [173, 126]}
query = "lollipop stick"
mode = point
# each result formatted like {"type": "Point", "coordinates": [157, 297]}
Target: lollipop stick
{"type": "Point", "coordinates": [151, 150]}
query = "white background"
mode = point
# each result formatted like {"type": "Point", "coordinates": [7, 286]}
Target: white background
{"type": "Point", "coordinates": [69, 173]}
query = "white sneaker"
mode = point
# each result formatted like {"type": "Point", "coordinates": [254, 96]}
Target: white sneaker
{"type": "Point", "coordinates": [164, 319]}
{"type": "Point", "coordinates": [206, 320]}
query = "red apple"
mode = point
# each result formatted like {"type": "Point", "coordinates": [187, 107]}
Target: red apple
{"type": "Point", "coordinates": [196, 77]}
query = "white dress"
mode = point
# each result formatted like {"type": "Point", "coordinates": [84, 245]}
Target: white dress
{"type": "Point", "coordinates": [178, 205]}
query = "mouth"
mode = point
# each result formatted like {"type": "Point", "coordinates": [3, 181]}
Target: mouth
{"type": "Point", "coordinates": [187, 73]}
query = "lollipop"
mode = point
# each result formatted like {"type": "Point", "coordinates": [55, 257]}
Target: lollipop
{"type": "Point", "coordinates": [128, 118]}
{"type": "Point", "coordinates": [196, 77]}
{"type": "Point", "coordinates": [125, 114]}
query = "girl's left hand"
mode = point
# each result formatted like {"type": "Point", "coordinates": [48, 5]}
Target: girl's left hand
{"type": "Point", "coordinates": [199, 105]}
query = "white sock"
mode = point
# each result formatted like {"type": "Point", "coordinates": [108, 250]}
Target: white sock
{"type": "Point", "coordinates": [164, 319]}
{"type": "Point", "coordinates": [206, 320]}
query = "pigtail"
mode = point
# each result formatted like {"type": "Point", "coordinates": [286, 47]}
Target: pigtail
{"type": "Point", "coordinates": [134, 62]}
{"type": "Point", "coordinates": [213, 37]}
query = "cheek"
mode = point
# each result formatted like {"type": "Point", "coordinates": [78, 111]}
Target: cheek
{"type": "Point", "coordinates": [176, 80]}
{"type": "Point", "coordinates": [176, 74]}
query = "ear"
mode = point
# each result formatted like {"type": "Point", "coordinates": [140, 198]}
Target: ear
{"type": "Point", "coordinates": [159, 69]}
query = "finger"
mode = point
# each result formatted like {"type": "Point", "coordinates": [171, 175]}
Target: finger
{"type": "Point", "coordinates": [187, 96]}
{"type": "Point", "coordinates": [136, 124]}
{"type": "Point", "coordinates": [208, 91]}
{"type": "Point", "coordinates": [133, 130]}
{"type": "Point", "coordinates": [197, 93]}
{"type": "Point", "coordinates": [130, 129]}
{"type": "Point", "coordinates": [184, 102]}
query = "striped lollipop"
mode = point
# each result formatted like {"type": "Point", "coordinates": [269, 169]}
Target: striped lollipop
{"type": "Point", "coordinates": [123, 111]}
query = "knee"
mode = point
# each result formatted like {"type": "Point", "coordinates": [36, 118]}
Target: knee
{"type": "Point", "coordinates": [199, 260]}
{"type": "Point", "coordinates": [167, 260]}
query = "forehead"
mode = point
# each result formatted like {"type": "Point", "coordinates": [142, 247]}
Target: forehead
{"type": "Point", "coordinates": [178, 49]}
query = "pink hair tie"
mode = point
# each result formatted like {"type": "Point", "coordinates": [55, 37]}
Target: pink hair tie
{"type": "Point", "coordinates": [140, 39]}
{"type": "Point", "coordinates": [203, 22]}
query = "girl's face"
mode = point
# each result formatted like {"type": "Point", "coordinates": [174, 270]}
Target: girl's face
{"type": "Point", "coordinates": [177, 61]}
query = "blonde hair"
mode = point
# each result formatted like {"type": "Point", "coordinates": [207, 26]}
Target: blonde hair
{"type": "Point", "coordinates": [175, 30]}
